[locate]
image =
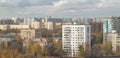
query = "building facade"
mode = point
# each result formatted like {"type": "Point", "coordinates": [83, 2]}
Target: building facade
{"type": "Point", "coordinates": [111, 31]}
{"type": "Point", "coordinates": [27, 34]}
{"type": "Point", "coordinates": [49, 25]}
{"type": "Point", "coordinates": [96, 27]}
{"type": "Point", "coordinates": [3, 27]}
{"type": "Point", "coordinates": [73, 36]}
{"type": "Point", "coordinates": [6, 21]}
{"type": "Point", "coordinates": [19, 27]}
{"type": "Point", "coordinates": [35, 25]}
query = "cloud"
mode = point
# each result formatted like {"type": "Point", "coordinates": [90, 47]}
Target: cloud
{"type": "Point", "coordinates": [108, 3]}
{"type": "Point", "coordinates": [76, 8]}
{"type": "Point", "coordinates": [26, 3]}
{"type": "Point", "coordinates": [2, 1]}
{"type": "Point", "coordinates": [66, 2]}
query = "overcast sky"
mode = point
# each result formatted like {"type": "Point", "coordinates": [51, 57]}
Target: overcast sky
{"type": "Point", "coordinates": [59, 8]}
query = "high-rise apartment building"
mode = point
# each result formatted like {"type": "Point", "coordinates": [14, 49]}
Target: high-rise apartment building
{"type": "Point", "coordinates": [111, 31]}
{"type": "Point", "coordinates": [73, 36]}
{"type": "Point", "coordinates": [110, 25]}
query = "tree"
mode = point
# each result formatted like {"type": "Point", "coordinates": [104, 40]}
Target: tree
{"type": "Point", "coordinates": [46, 33]}
{"type": "Point", "coordinates": [97, 38]}
{"type": "Point", "coordinates": [96, 50]}
{"type": "Point", "coordinates": [36, 49]}
{"type": "Point", "coordinates": [20, 56]}
{"type": "Point", "coordinates": [58, 31]}
{"type": "Point", "coordinates": [17, 38]}
{"type": "Point", "coordinates": [4, 53]}
{"type": "Point", "coordinates": [9, 31]}
{"type": "Point", "coordinates": [82, 52]}
{"type": "Point", "coordinates": [107, 48]}
{"type": "Point", "coordinates": [33, 50]}
{"type": "Point", "coordinates": [57, 46]}
{"type": "Point", "coordinates": [45, 51]}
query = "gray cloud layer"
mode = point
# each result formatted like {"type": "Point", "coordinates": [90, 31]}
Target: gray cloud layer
{"type": "Point", "coordinates": [58, 8]}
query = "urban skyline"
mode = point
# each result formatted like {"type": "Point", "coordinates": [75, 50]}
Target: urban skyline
{"type": "Point", "coordinates": [59, 28]}
{"type": "Point", "coordinates": [58, 37]}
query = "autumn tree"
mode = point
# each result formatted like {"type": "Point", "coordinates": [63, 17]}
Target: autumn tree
{"type": "Point", "coordinates": [57, 46]}
{"type": "Point", "coordinates": [20, 56]}
{"type": "Point", "coordinates": [82, 52]}
{"type": "Point", "coordinates": [17, 38]}
{"type": "Point", "coordinates": [107, 48]}
{"type": "Point", "coordinates": [46, 33]}
{"type": "Point", "coordinates": [58, 31]}
{"type": "Point", "coordinates": [4, 54]}
{"type": "Point", "coordinates": [96, 42]}
{"type": "Point", "coordinates": [96, 38]}
{"type": "Point", "coordinates": [96, 50]}
{"type": "Point", "coordinates": [36, 49]}
{"type": "Point", "coordinates": [45, 51]}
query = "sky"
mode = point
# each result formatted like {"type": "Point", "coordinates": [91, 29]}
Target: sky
{"type": "Point", "coordinates": [59, 8]}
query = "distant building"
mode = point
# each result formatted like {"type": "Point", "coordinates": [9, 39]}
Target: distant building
{"type": "Point", "coordinates": [46, 25]}
{"type": "Point", "coordinates": [40, 41]}
{"type": "Point", "coordinates": [19, 27]}
{"type": "Point", "coordinates": [96, 27]}
{"type": "Point", "coordinates": [110, 24]}
{"type": "Point", "coordinates": [6, 21]}
{"type": "Point", "coordinates": [3, 27]}
{"type": "Point", "coordinates": [100, 19]}
{"type": "Point", "coordinates": [115, 41]}
{"type": "Point", "coordinates": [84, 20]}
{"type": "Point", "coordinates": [28, 33]}
{"type": "Point", "coordinates": [10, 43]}
{"type": "Point", "coordinates": [17, 20]}
{"type": "Point", "coordinates": [67, 19]}
{"type": "Point", "coordinates": [67, 23]}
{"type": "Point", "coordinates": [107, 26]}
{"type": "Point", "coordinates": [14, 19]}
{"type": "Point", "coordinates": [54, 20]}
{"type": "Point", "coordinates": [49, 25]}
{"type": "Point", "coordinates": [28, 21]}
{"type": "Point", "coordinates": [10, 34]}
{"type": "Point", "coordinates": [35, 25]}
{"type": "Point", "coordinates": [58, 24]}
{"type": "Point", "coordinates": [4, 41]}
{"type": "Point", "coordinates": [111, 31]}
{"type": "Point", "coordinates": [42, 24]}
{"type": "Point", "coordinates": [73, 36]}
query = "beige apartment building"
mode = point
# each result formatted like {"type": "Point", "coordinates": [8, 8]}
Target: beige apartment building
{"type": "Point", "coordinates": [27, 33]}
{"type": "Point", "coordinates": [35, 25]}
